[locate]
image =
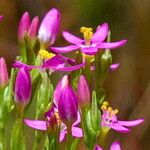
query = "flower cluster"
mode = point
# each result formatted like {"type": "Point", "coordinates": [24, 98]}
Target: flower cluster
{"type": "Point", "coordinates": [75, 107]}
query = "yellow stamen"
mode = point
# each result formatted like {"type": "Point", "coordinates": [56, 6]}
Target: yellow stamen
{"type": "Point", "coordinates": [110, 109]}
{"type": "Point", "coordinates": [103, 107]}
{"type": "Point", "coordinates": [105, 103]}
{"type": "Point", "coordinates": [45, 54]}
{"type": "Point", "coordinates": [87, 34]}
{"type": "Point", "coordinates": [57, 117]}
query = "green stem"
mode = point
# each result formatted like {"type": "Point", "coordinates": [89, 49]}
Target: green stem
{"type": "Point", "coordinates": [38, 141]}
{"type": "Point", "coordinates": [17, 138]}
{"type": "Point", "coordinates": [69, 138]}
{"type": "Point", "coordinates": [2, 139]}
{"type": "Point", "coordinates": [84, 126]}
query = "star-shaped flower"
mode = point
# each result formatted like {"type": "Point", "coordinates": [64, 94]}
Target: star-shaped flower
{"type": "Point", "coordinates": [91, 43]}
{"type": "Point", "coordinates": [109, 120]}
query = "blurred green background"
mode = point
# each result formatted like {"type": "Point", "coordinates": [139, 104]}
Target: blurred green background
{"type": "Point", "coordinates": [128, 88]}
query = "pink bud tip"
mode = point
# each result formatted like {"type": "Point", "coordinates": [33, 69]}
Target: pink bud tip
{"type": "Point", "coordinates": [3, 72]}
{"type": "Point", "coordinates": [32, 32]}
{"type": "Point", "coordinates": [23, 25]}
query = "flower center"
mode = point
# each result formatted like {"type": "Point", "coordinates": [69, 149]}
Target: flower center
{"type": "Point", "coordinates": [45, 54]}
{"type": "Point", "coordinates": [109, 110]}
{"type": "Point", "coordinates": [87, 34]}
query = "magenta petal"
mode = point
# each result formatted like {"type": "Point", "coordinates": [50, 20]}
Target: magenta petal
{"type": "Point", "coordinates": [115, 146]}
{"type": "Point", "coordinates": [77, 132]}
{"type": "Point", "coordinates": [114, 67]}
{"type": "Point", "coordinates": [23, 25]}
{"type": "Point", "coordinates": [67, 102]}
{"type": "Point", "coordinates": [89, 50]}
{"type": "Point", "coordinates": [3, 72]}
{"type": "Point", "coordinates": [65, 49]}
{"type": "Point", "coordinates": [131, 123]}
{"type": "Point", "coordinates": [116, 126]}
{"type": "Point", "coordinates": [70, 68]}
{"type": "Point", "coordinates": [32, 32]}
{"type": "Point", "coordinates": [97, 147]}
{"type": "Point", "coordinates": [36, 124]}
{"type": "Point", "coordinates": [49, 27]}
{"type": "Point", "coordinates": [19, 64]}
{"type": "Point", "coordinates": [112, 45]}
{"type": "Point", "coordinates": [71, 38]}
{"type": "Point", "coordinates": [101, 33]}
{"type": "Point", "coordinates": [23, 86]}
{"type": "Point", "coordinates": [54, 63]}
{"type": "Point", "coordinates": [78, 120]}
{"type": "Point", "coordinates": [62, 135]}
{"type": "Point", "coordinates": [83, 92]}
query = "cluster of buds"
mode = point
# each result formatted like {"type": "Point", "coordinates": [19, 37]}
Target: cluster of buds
{"type": "Point", "coordinates": [73, 109]}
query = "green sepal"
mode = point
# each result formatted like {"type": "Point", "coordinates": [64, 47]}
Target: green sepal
{"type": "Point", "coordinates": [29, 51]}
{"type": "Point", "coordinates": [44, 95]}
{"type": "Point", "coordinates": [36, 46]}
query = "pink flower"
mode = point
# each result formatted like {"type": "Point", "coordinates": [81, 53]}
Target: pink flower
{"type": "Point", "coordinates": [110, 121]}
{"type": "Point", "coordinates": [45, 125]}
{"type": "Point", "coordinates": [91, 43]}
{"type": "Point", "coordinates": [55, 63]}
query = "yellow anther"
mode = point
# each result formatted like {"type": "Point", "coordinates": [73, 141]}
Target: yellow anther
{"type": "Point", "coordinates": [87, 33]}
{"type": "Point", "coordinates": [110, 109]}
{"type": "Point", "coordinates": [57, 117]}
{"type": "Point", "coordinates": [45, 54]}
{"type": "Point", "coordinates": [103, 107]}
{"type": "Point", "coordinates": [116, 111]}
{"type": "Point", "coordinates": [105, 103]}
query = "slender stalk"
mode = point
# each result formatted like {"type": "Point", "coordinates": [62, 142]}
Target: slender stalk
{"type": "Point", "coordinates": [17, 137]}
{"type": "Point", "coordinates": [2, 139]}
{"type": "Point", "coordinates": [69, 138]}
{"type": "Point", "coordinates": [38, 140]}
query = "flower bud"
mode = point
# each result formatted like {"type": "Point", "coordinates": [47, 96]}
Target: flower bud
{"type": "Point", "coordinates": [32, 32]}
{"type": "Point", "coordinates": [23, 86]}
{"type": "Point", "coordinates": [67, 102]}
{"type": "Point", "coordinates": [3, 72]}
{"type": "Point", "coordinates": [83, 92]}
{"type": "Point", "coordinates": [23, 25]}
{"type": "Point", "coordinates": [49, 27]}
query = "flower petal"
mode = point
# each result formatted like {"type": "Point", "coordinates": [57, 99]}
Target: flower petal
{"type": "Point", "coordinates": [114, 66]}
{"type": "Point", "coordinates": [98, 148]}
{"type": "Point", "coordinates": [49, 26]}
{"type": "Point", "coordinates": [131, 123]}
{"type": "Point", "coordinates": [116, 126]}
{"type": "Point", "coordinates": [89, 50]}
{"type": "Point", "coordinates": [70, 68]}
{"type": "Point", "coordinates": [78, 120]}
{"type": "Point", "coordinates": [115, 146]}
{"type": "Point", "coordinates": [112, 45]}
{"type": "Point", "coordinates": [54, 62]}
{"type": "Point", "coordinates": [23, 87]}
{"type": "Point", "coordinates": [36, 124]}
{"type": "Point", "coordinates": [71, 38]}
{"type": "Point", "coordinates": [65, 49]}
{"type": "Point", "coordinates": [77, 132]}
{"type": "Point", "coordinates": [19, 64]}
{"type": "Point", "coordinates": [101, 33]}
{"type": "Point", "coordinates": [62, 135]}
